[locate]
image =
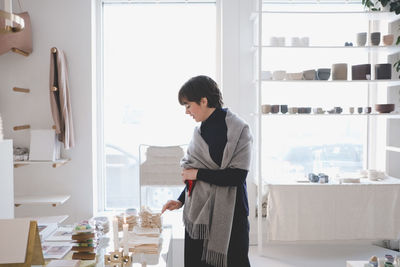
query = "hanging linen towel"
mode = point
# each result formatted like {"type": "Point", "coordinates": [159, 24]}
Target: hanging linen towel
{"type": "Point", "coordinates": [59, 98]}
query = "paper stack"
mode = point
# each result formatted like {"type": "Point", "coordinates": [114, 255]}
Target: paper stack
{"type": "Point", "coordinates": [85, 242]}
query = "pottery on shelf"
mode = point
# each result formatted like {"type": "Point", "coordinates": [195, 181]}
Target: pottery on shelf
{"type": "Point", "coordinates": [339, 71]}
{"type": "Point", "coordinates": [309, 74]}
{"type": "Point", "coordinates": [323, 73]}
{"type": "Point", "coordinates": [360, 72]}
{"type": "Point", "coordinates": [384, 108]}
{"type": "Point", "coordinates": [375, 38]}
{"type": "Point", "coordinates": [274, 109]}
{"type": "Point", "coordinates": [278, 75]}
{"type": "Point", "coordinates": [383, 71]}
{"type": "Point", "coordinates": [361, 38]}
{"type": "Point", "coordinates": [388, 39]}
{"type": "Point", "coordinates": [294, 76]}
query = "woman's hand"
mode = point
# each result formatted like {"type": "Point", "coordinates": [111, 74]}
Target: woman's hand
{"type": "Point", "coordinates": [189, 174]}
{"type": "Point", "coordinates": [171, 205]}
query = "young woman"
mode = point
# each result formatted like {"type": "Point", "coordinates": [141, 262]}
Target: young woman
{"type": "Point", "coordinates": [215, 170]}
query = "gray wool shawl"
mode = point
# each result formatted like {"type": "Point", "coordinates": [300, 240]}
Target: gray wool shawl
{"type": "Point", "coordinates": [208, 212]}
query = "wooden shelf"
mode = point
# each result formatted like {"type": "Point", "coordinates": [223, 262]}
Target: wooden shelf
{"type": "Point", "coordinates": [53, 200]}
{"type": "Point", "coordinates": [54, 164]}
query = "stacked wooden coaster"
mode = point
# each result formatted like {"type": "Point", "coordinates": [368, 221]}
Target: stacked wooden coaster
{"type": "Point", "coordinates": [85, 242]}
{"type": "Point", "coordinates": [148, 219]}
{"type": "Point", "coordinates": [131, 220]}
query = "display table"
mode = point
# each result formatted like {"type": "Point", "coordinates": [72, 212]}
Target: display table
{"type": "Point", "coordinates": [162, 259]}
{"type": "Point", "coordinates": [311, 211]}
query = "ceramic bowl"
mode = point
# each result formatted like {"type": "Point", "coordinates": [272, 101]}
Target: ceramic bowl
{"type": "Point", "coordinates": [278, 75]}
{"type": "Point", "coordinates": [339, 71]}
{"type": "Point", "coordinates": [384, 108]}
{"type": "Point", "coordinates": [383, 71]}
{"type": "Point", "coordinates": [294, 76]}
{"type": "Point", "coordinates": [309, 74]}
{"type": "Point", "coordinates": [360, 72]}
{"type": "Point", "coordinates": [323, 74]}
{"type": "Point", "coordinates": [388, 39]}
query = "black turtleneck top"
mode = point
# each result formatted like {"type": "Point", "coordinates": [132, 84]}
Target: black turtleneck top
{"type": "Point", "coordinates": [214, 132]}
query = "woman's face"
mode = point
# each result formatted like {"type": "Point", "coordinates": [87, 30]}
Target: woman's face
{"type": "Point", "coordinates": [199, 112]}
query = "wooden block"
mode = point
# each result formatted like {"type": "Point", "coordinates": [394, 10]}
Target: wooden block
{"type": "Point", "coordinates": [83, 256]}
{"type": "Point", "coordinates": [83, 237]}
{"type": "Point", "coordinates": [83, 249]}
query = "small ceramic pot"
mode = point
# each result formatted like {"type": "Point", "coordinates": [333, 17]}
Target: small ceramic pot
{"type": "Point", "coordinates": [338, 110]}
{"type": "Point", "coordinates": [273, 41]}
{"type": "Point", "coordinates": [313, 178]}
{"type": "Point", "coordinates": [292, 110]}
{"type": "Point", "coordinates": [284, 109]}
{"type": "Point", "coordinates": [265, 109]}
{"type": "Point", "coordinates": [367, 110]}
{"type": "Point", "coordinates": [375, 38]}
{"type": "Point", "coordinates": [309, 74]}
{"type": "Point", "coordinates": [351, 110]}
{"type": "Point", "coordinates": [361, 38]}
{"type": "Point", "coordinates": [360, 72]}
{"type": "Point", "coordinates": [278, 75]}
{"type": "Point", "coordinates": [266, 75]}
{"type": "Point", "coordinates": [359, 110]}
{"type": "Point", "coordinates": [323, 74]}
{"type": "Point", "coordinates": [339, 71]}
{"type": "Point", "coordinates": [388, 39]}
{"type": "Point", "coordinates": [274, 109]}
{"type": "Point", "coordinates": [383, 71]}
{"type": "Point", "coordinates": [305, 41]}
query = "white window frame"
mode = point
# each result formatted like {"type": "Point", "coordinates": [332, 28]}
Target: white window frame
{"type": "Point", "coordinates": [98, 142]}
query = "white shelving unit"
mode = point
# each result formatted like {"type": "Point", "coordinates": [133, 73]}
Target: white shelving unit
{"type": "Point", "coordinates": [392, 150]}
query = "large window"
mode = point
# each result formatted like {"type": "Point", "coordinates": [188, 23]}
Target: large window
{"type": "Point", "coordinates": [293, 146]}
{"type": "Point", "coordinates": [149, 50]}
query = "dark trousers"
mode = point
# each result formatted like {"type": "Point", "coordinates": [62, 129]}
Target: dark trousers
{"type": "Point", "coordinates": [238, 246]}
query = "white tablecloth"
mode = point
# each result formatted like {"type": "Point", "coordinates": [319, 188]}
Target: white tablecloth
{"type": "Point", "coordinates": [369, 210]}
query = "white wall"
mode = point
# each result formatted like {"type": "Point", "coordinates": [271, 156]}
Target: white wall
{"type": "Point", "coordinates": [6, 180]}
{"type": "Point", "coordinates": [66, 25]}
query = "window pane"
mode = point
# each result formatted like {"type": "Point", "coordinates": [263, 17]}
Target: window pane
{"type": "Point", "coordinates": [150, 50]}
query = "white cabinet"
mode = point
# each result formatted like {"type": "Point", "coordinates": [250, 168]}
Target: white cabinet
{"type": "Point", "coordinates": [376, 134]}
{"type": "Point", "coordinates": [6, 180]}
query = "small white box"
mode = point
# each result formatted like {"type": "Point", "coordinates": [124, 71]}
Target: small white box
{"type": "Point", "coordinates": [44, 145]}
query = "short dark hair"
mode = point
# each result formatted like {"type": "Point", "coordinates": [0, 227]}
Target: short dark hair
{"type": "Point", "coordinates": [198, 87]}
